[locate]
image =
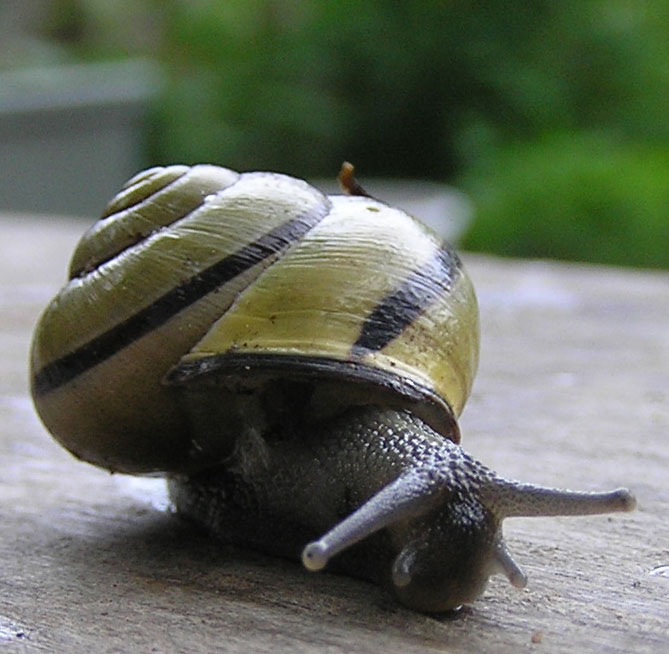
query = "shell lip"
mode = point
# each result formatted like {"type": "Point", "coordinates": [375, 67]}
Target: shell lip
{"type": "Point", "coordinates": [242, 371]}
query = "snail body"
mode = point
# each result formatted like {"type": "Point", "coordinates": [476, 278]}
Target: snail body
{"type": "Point", "coordinates": [295, 364]}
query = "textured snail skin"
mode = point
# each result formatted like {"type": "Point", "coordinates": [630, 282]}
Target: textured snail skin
{"type": "Point", "coordinates": [293, 490]}
{"type": "Point", "coordinates": [294, 364]}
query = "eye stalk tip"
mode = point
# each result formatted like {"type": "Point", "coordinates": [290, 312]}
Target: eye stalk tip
{"type": "Point", "coordinates": [314, 556]}
{"type": "Point", "coordinates": [518, 580]}
{"type": "Point", "coordinates": [401, 572]}
{"type": "Point", "coordinates": [626, 499]}
{"type": "Point", "coordinates": [505, 564]}
{"type": "Point", "coordinates": [401, 578]}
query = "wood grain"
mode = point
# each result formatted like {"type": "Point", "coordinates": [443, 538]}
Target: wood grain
{"type": "Point", "coordinates": [573, 391]}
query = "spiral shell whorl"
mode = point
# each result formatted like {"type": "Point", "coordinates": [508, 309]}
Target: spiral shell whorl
{"type": "Point", "coordinates": [203, 274]}
{"type": "Point", "coordinates": [149, 201]}
{"type": "Point", "coordinates": [105, 343]}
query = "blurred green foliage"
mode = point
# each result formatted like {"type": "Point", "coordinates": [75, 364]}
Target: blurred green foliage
{"type": "Point", "coordinates": [552, 115]}
{"type": "Point", "coordinates": [579, 197]}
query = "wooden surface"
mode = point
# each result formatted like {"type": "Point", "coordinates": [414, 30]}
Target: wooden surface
{"type": "Point", "coordinates": [573, 390]}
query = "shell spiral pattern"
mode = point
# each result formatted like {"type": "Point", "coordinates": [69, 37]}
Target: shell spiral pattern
{"type": "Point", "coordinates": [198, 275]}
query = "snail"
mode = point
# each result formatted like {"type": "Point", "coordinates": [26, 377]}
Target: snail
{"type": "Point", "coordinates": [295, 364]}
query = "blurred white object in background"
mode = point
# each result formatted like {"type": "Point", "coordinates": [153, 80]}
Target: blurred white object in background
{"type": "Point", "coordinates": [71, 135]}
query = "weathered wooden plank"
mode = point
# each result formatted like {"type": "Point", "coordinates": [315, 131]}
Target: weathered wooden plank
{"type": "Point", "coordinates": [573, 391]}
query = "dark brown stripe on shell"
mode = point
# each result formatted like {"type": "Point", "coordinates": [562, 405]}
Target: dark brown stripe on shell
{"type": "Point", "coordinates": [401, 307]}
{"type": "Point", "coordinates": [171, 303]}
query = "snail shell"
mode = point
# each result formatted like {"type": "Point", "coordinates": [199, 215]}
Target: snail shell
{"type": "Point", "coordinates": [202, 273]}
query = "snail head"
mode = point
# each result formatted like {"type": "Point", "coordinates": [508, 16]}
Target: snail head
{"type": "Point", "coordinates": [446, 519]}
